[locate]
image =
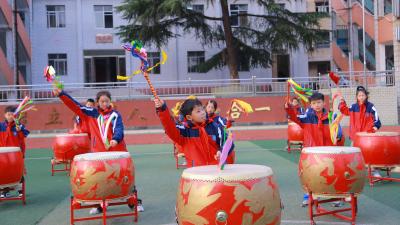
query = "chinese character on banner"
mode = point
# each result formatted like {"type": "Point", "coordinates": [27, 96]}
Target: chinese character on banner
{"type": "Point", "coordinates": [136, 113]}
{"type": "Point", "coordinates": [235, 111]}
{"type": "Point", "coordinates": [54, 118]}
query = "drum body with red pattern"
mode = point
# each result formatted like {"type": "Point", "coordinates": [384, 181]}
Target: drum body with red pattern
{"type": "Point", "coordinates": [66, 146]}
{"type": "Point", "coordinates": [332, 171]}
{"type": "Point", "coordinates": [239, 194]}
{"type": "Point", "coordinates": [295, 132]}
{"type": "Point", "coordinates": [102, 175]}
{"type": "Point", "coordinates": [380, 149]}
{"type": "Point", "coordinates": [11, 166]}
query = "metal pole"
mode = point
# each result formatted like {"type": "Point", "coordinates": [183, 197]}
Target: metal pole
{"type": "Point", "coordinates": [364, 55]}
{"type": "Point", "coordinates": [15, 37]}
{"type": "Point", "coordinates": [350, 28]}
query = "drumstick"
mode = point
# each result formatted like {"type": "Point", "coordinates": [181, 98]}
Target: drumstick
{"type": "Point", "coordinates": [153, 90]}
{"type": "Point", "coordinates": [267, 108]}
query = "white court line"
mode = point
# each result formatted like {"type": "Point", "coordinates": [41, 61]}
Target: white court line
{"type": "Point", "coordinates": [168, 153]}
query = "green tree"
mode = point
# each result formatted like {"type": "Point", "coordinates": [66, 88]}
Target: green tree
{"type": "Point", "coordinates": [252, 43]}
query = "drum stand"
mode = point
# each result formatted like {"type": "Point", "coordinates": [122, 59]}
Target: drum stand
{"type": "Point", "coordinates": [55, 162]}
{"type": "Point", "coordinates": [373, 179]}
{"type": "Point", "coordinates": [178, 155]}
{"type": "Point", "coordinates": [298, 145]}
{"type": "Point", "coordinates": [320, 211]}
{"type": "Point", "coordinates": [130, 201]}
{"type": "Point", "coordinates": [22, 198]}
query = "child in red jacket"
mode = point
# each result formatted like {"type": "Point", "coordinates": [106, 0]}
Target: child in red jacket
{"type": "Point", "coordinates": [211, 109]}
{"type": "Point", "coordinates": [363, 116]}
{"type": "Point", "coordinates": [12, 135]}
{"type": "Point", "coordinates": [315, 124]}
{"type": "Point", "coordinates": [199, 137]}
{"type": "Point", "coordinates": [80, 126]}
{"type": "Point", "coordinates": [105, 124]}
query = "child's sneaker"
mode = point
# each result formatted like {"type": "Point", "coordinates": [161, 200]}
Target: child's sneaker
{"type": "Point", "coordinates": [376, 173]}
{"type": "Point", "coordinates": [304, 203]}
{"type": "Point", "coordinates": [20, 194]}
{"type": "Point", "coordinates": [95, 211]}
{"type": "Point", "coordinates": [337, 204]}
{"type": "Point", "coordinates": [140, 207]}
{"type": "Point", "coordinates": [5, 195]}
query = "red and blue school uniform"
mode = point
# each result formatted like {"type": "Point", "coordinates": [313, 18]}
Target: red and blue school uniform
{"type": "Point", "coordinates": [103, 125]}
{"type": "Point", "coordinates": [10, 137]}
{"type": "Point", "coordinates": [200, 142]}
{"type": "Point", "coordinates": [363, 117]}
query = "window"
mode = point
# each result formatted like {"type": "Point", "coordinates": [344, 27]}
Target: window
{"type": "Point", "coordinates": [322, 7]}
{"type": "Point", "coordinates": [104, 16]}
{"type": "Point", "coordinates": [194, 59]}
{"type": "Point", "coordinates": [325, 40]}
{"type": "Point", "coordinates": [197, 8]}
{"type": "Point", "coordinates": [59, 62]}
{"type": "Point", "coordinates": [154, 58]}
{"type": "Point", "coordinates": [55, 16]}
{"type": "Point", "coordinates": [236, 10]}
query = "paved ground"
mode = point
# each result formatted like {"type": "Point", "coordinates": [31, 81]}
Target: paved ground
{"type": "Point", "coordinates": [157, 179]}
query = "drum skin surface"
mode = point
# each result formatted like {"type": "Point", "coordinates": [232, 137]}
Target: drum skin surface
{"type": "Point", "coordinates": [103, 175]}
{"type": "Point", "coordinates": [11, 160]}
{"type": "Point", "coordinates": [381, 148]}
{"type": "Point", "coordinates": [333, 171]}
{"type": "Point", "coordinates": [239, 194]}
{"type": "Point", "coordinates": [68, 145]}
{"type": "Point", "coordinates": [295, 132]}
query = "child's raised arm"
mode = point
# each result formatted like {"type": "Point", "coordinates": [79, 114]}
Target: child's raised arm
{"type": "Point", "coordinates": [343, 107]}
{"type": "Point", "coordinates": [73, 105]}
{"type": "Point", "coordinates": [170, 127]}
{"type": "Point", "coordinates": [294, 116]}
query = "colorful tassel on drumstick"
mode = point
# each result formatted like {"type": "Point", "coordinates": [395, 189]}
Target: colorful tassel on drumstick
{"type": "Point", "coordinates": [22, 108]}
{"type": "Point", "coordinates": [136, 49]}
{"type": "Point", "coordinates": [225, 151]}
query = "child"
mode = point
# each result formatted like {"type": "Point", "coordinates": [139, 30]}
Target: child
{"type": "Point", "coordinates": [12, 135]}
{"type": "Point", "coordinates": [104, 124]}
{"type": "Point", "coordinates": [297, 106]}
{"type": "Point", "coordinates": [79, 125]}
{"type": "Point", "coordinates": [315, 124]}
{"type": "Point", "coordinates": [199, 137]}
{"type": "Point", "coordinates": [97, 120]}
{"type": "Point", "coordinates": [363, 115]}
{"type": "Point", "coordinates": [211, 109]}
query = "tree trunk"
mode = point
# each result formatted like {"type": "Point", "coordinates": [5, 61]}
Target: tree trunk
{"type": "Point", "coordinates": [232, 60]}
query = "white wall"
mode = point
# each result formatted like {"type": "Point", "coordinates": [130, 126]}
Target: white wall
{"type": "Point", "coordinates": [80, 34]}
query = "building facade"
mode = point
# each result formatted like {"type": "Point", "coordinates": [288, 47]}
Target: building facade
{"type": "Point", "coordinates": [8, 51]}
{"type": "Point", "coordinates": [78, 37]}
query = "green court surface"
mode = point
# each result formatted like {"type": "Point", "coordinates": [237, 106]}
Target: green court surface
{"type": "Point", "coordinates": [157, 180]}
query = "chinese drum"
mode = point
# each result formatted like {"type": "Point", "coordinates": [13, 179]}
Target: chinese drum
{"type": "Point", "coordinates": [332, 171]}
{"type": "Point", "coordinates": [11, 166]}
{"type": "Point", "coordinates": [379, 149]}
{"type": "Point", "coordinates": [239, 194]}
{"type": "Point", "coordinates": [102, 175]}
{"type": "Point", "coordinates": [66, 146]}
{"type": "Point", "coordinates": [295, 132]}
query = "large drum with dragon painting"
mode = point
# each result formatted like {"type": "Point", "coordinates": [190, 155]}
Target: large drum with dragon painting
{"type": "Point", "coordinates": [332, 171]}
{"type": "Point", "coordinates": [66, 146]}
{"type": "Point", "coordinates": [238, 194]}
{"type": "Point", "coordinates": [102, 175]}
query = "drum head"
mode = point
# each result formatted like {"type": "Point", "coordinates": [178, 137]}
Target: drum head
{"type": "Point", "coordinates": [9, 149]}
{"type": "Point", "coordinates": [72, 135]}
{"type": "Point", "coordinates": [231, 173]}
{"type": "Point", "coordinates": [378, 134]}
{"type": "Point", "coordinates": [331, 150]}
{"type": "Point", "coordinates": [101, 156]}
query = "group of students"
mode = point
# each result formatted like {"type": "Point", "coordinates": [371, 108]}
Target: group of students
{"type": "Point", "coordinates": [200, 130]}
{"type": "Point", "coordinates": [315, 121]}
